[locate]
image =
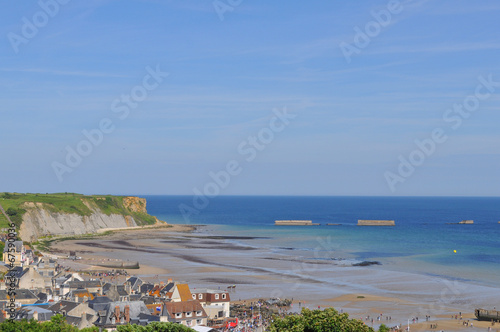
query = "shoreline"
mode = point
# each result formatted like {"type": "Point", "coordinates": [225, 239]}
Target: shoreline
{"type": "Point", "coordinates": [203, 259]}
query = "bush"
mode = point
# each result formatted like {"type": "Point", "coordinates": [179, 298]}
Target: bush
{"type": "Point", "coordinates": [16, 215]}
{"type": "Point", "coordinates": [318, 321]}
{"type": "Point", "coordinates": [11, 212]}
{"type": "Point", "coordinates": [383, 328]}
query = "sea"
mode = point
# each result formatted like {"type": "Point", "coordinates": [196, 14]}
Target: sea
{"type": "Point", "coordinates": [426, 238]}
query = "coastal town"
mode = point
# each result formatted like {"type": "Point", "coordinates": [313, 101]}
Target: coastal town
{"type": "Point", "coordinates": [110, 298]}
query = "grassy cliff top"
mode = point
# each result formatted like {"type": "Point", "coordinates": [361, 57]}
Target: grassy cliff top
{"type": "Point", "coordinates": [16, 204]}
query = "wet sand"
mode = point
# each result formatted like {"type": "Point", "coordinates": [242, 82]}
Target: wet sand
{"type": "Point", "coordinates": [207, 260]}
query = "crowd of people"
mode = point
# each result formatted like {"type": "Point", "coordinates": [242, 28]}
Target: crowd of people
{"type": "Point", "coordinates": [257, 316]}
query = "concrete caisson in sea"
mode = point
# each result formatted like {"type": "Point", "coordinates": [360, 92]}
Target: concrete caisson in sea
{"type": "Point", "coordinates": [376, 223]}
{"type": "Point", "coordinates": [487, 315]}
{"type": "Point", "coordinates": [463, 222]}
{"type": "Point", "coordinates": [294, 223]}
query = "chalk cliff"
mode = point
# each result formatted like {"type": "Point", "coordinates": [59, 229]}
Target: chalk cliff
{"type": "Point", "coordinates": [40, 219]}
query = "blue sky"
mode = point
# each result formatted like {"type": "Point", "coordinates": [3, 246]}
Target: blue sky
{"type": "Point", "coordinates": [354, 121]}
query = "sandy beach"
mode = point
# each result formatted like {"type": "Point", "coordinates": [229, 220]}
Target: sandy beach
{"type": "Point", "coordinates": [203, 259]}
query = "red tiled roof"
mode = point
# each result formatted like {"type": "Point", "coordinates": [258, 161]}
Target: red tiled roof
{"type": "Point", "coordinates": [185, 306]}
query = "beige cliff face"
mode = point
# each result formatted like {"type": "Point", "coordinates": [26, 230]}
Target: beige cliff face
{"type": "Point", "coordinates": [135, 204]}
{"type": "Point", "coordinates": [39, 221]}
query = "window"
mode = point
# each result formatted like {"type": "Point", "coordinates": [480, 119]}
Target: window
{"type": "Point", "coordinates": [200, 296]}
{"type": "Point", "coordinates": [188, 323]}
{"type": "Point", "coordinates": [216, 296]}
{"type": "Point", "coordinates": [178, 315]}
{"type": "Point", "coordinates": [223, 296]}
{"type": "Point", "coordinates": [198, 313]}
{"type": "Point", "coordinates": [198, 321]}
{"type": "Point", "coordinates": [189, 314]}
{"type": "Point", "coordinates": [194, 296]}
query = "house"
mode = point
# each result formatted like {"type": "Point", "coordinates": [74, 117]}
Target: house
{"type": "Point", "coordinates": [133, 285]}
{"type": "Point", "coordinates": [79, 295]}
{"type": "Point", "coordinates": [93, 286]}
{"type": "Point", "coordinates": [153, 303]}
{"type": "Point", "coordinates": [181, 293]}
{"type": "Point", "coordinates": [135, 297]}
{"type": "Point", "coordinates": [35, 312]}
{"type": "Point", "coordinates": [14, 254]}
{"type": "Point", "coordinates": [82, 322]}
{"type": "Point", "coordinates": [116, 292]}
{"type": "Point", "coordinates": [189, 313]}
{"type": "Point", "coordinates": [161, 289]}
{"type": "Point", "coordinates": [31, 279]}
{"type": "Point", "coordinates": [47, 296]}
{"type": "Point", "coordinates": [215, 302]}
{"type": "Point", "coordinates": [146, 288]}
{"type": "Point", "coordinates": [45, 266]}
{"type": "Point", "coordinates": [63, 279]}
{"type": "Point", "coordinates": [30, 255]}
{"type": "Point", "coordinates": [169, 287]}
{"type": "Point", "coordinates": [99, 303]}
{"type": "Point", "coordinates": [75, 309]}
{"type": "Point", "coordinates": [27, 278]}
{"type": "Point", "coordinates": [23, 296]}
{"type": "Point", "coordinates": [122, 313]}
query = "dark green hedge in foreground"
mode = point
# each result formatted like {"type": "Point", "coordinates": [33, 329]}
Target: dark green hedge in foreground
{"type": "Point", "coordinates": [58, 324]}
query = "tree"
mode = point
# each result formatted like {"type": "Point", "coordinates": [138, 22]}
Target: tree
{"type": "Point", "coordinates": [16, 215]}
{"type": "Point", "coordinates": [383, 328]}
{"type": "Point", "coordinates": [318, 321]}
{"type": "Point", "coordinates": [11, 212]}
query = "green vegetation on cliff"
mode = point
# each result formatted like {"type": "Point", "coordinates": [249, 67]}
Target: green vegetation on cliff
{"type": "Point", "coordinates": [15, 206]}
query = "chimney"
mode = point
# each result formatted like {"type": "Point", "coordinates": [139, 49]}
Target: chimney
{"type": "Point", "coordinates": [127, 314]}
{"type": "Point", "coordinates": [117, 313]}
{"type": "Point", "coordinates": [169, 280]}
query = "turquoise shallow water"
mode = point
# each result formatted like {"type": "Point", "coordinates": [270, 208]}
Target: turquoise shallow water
{"type": "Point", "coordinates": [421, 242]}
